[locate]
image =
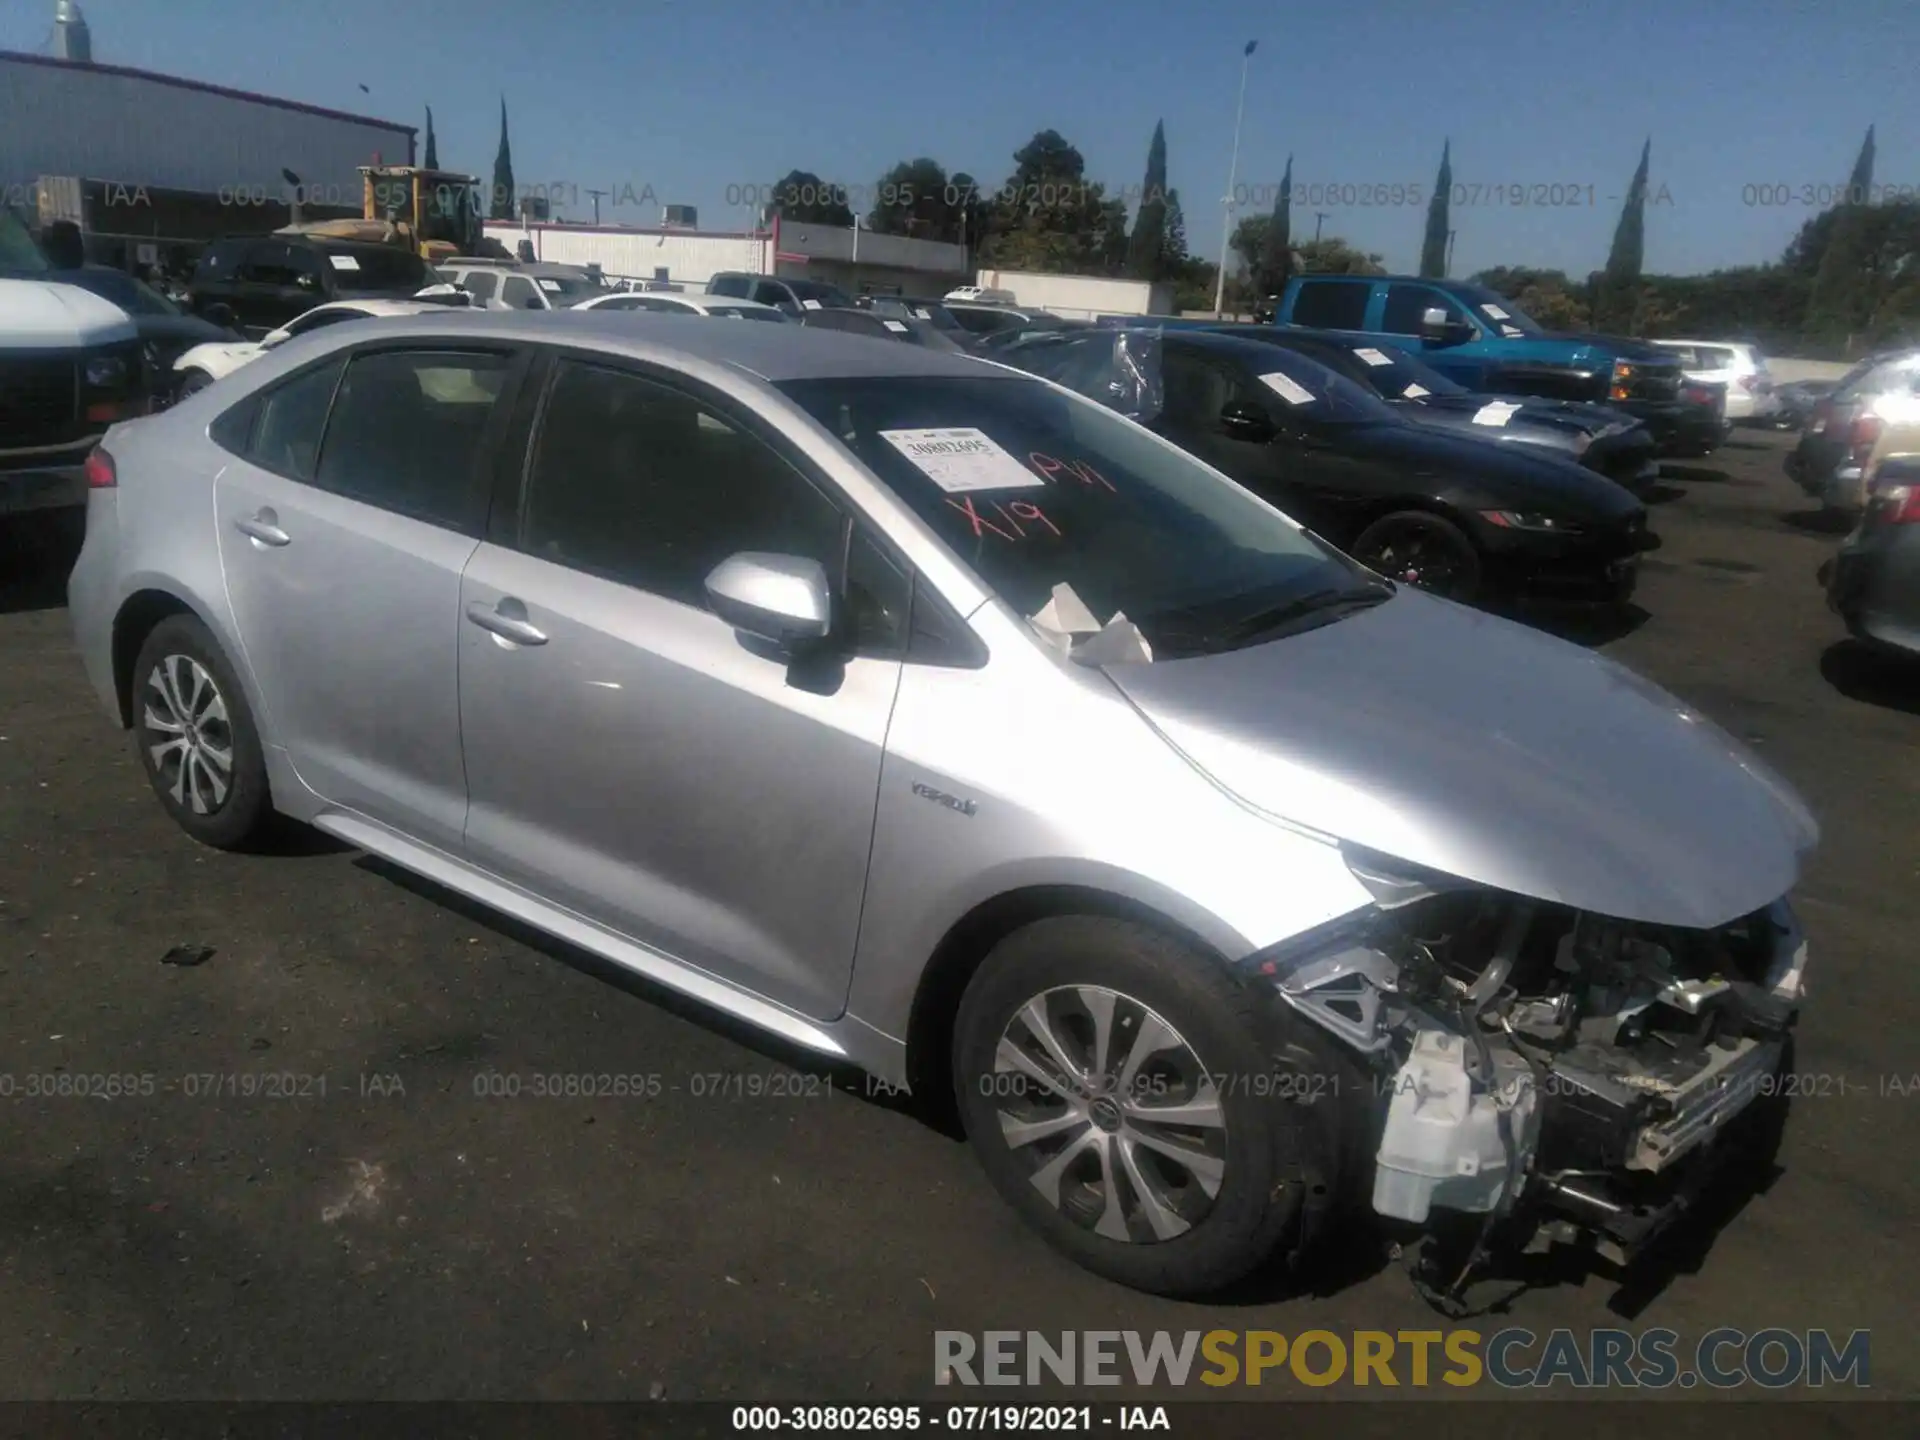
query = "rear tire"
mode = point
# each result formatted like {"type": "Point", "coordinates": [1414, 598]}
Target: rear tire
{"type": "Point", "coordinates": [196, 737]}
{"type": "Point", "coordinates": [1160, 1205]}
{"type": "Point", "coordinates": [1424, 550]}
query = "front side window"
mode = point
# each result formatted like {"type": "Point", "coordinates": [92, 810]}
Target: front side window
{"type": "Point", "coordinates": [1033, 489]}
{"type": "Point", "coordinates": [271, 263]}
{"type": "Point", "coordinates": [286, 439]}
{"type": "Point", "coordinates": [1408, 304]}
{"type": "Point", "coordinates": [518, 292]}
{"type": "Point", "coordinates": [407, 429]}
{"type": "Point", "coordinates": [645, 485]}
{"type": "Point", "coordinates": [735, 285]}
{"type": "Point", "coordinates": [480, 283]}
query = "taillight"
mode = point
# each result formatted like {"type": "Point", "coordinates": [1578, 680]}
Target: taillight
{"type": "Point", "coordinates": [1862, 436]}
{"type": "Point", "coordinates": [101, 474]}
{"type": "Point", "coordinates": [1896, 505]}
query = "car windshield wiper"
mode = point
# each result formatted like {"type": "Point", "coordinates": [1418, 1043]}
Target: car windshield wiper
{"type": "Point", "coordinates": [1314, 602]}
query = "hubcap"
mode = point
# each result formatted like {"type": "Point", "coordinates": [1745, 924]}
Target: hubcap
{"type": "Point", "coordinates": [1121, 1126]}
{"type": "Point", "coordinates": [189, 737]}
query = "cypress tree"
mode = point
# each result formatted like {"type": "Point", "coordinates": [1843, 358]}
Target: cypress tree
{"type": "Point", "coordinates": [1433, 250]}
{"type": "Point", "coordinates": [1621, 279]}
{"type": "Point", "coordinates": [1150, 222]}
{"type": "Point", "coordinates": [502, 208]}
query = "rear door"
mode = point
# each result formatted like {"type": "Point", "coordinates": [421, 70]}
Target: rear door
{"type": "Point", "coordinates": [631, 757]}
{"type": "Point", "coordinates": [1198, 389]}
{"type": "Point", "coordinates": [343, 530]}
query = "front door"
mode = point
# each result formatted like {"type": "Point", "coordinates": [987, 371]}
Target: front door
{"type": "Point", "coordinates": [629, 755]}
{"type": "Point", "coordinates": [343, 533]}
{"type": "Point", "coordinates": [1198, 390]}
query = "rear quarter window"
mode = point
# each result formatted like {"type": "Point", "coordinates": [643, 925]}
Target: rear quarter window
{"type": "Point", "coordinates": [1331, 304]}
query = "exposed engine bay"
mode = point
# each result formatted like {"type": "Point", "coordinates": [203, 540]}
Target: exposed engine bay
{"type": "Point", "coordinates": [1538, 1064]}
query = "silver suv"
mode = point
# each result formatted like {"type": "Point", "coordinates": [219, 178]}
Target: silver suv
{"type": "Point", "coordinates": [941, 722]}
{"type": "Point", "coordinates": [500, 285]}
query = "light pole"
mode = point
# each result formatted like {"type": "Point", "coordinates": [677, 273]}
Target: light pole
{"type": "Point", "coordinates": [1233, 175]}
{"type": "Point", "coordinates": [596, 194]}
{"type": "Point", "coordinates": [1319, 219]}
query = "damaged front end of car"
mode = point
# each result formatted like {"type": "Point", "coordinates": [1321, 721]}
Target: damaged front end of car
{"type": "Point", "coordinates": [1541, 1075]}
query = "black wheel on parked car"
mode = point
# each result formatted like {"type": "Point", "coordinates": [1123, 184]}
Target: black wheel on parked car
{"type": "Point", "coordinates": [192, 383]}
{"type": "Point", "coordinates": [196, 736]}
{"type": "Point", "coordinates": [1422, 550]}
{"type": "Point", "coordinates": [1115, 1085]}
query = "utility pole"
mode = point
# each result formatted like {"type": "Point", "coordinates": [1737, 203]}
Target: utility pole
{"type": "Point", "coordinates": [596, 194]}
{"type": "Point", "coordinates": [1233, 175]}
{"type": "Point", "coordinates": [1320, 217]}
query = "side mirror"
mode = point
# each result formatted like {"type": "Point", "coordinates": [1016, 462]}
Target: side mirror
{"type": "Point", "coordinates": [782, 599]}
{"type": "Point", "coordinates": [275, 337]}
{"type": "Point", "coordinates": [1246, 421]}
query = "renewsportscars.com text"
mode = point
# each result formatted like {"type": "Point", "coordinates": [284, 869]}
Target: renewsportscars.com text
{"type": "Point", "coordinates": [1512, 1358]}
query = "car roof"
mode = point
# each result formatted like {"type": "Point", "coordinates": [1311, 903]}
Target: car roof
{"type": "Point", "coordinates": [1241, 347]}
{"type": "Point", "coordinates": [774, 353]}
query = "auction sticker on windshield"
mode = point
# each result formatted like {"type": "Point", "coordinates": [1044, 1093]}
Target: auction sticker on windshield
{"type": "Point", "coordinates": [1495, 311]}
{"type": "Point", "coordinates": [1498, 413]}
{"type": "Point", "coordinates": [1414, 392]}
{"type": "Point", "coordinates": [961, 460]}
{"type": "Point", "coordinates": [552, 287]}
{"type": "Point", "coordinates": [1373, 357]}
{"type": "Point", "coordinates": [344, 262]}
{"type": "Point", "coordinates": [895, 326]}
{"type": "Point", "coordinates": [809, 304]}
{"type": "Point", "coordinates": [1288, 389]}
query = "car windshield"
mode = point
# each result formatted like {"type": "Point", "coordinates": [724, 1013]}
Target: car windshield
{"type": "Point", "coordinates": [566, 290]}
{"type": "Point", "coordinates": [378, 267]}
{"type": "Point", "coordinates": [1400, 376]}
{"type": "Point", "coordinates": [1034, 489]}
{"type": "Point", "coordinates": [828, 295]}
{"type": "Point", "coordinates": [1497, 308]}
{"type": "Point", "coordinates": [123, 290]}
{"type": "Point", "coordinates": [1314, 390]}
{"type": "Point", "coordinates": [931, 311]}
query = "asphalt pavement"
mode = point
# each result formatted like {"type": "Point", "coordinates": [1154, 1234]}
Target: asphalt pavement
{"type": "Point", "coordinates": [291, 1171]}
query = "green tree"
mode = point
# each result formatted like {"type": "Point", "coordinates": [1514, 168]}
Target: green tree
{"type": "Point", "coordinates": [1333, 256]}
{"type": "Point", "coordinates": [915, 198]}
{"type": "Point", "coordinates": [1842, 299]}
{"type": "Point", "coordinates": [1549, 296]}
{"type": "Point", "coordinates": [1433, 248]}
{"type": "Point", "coordinates": [1269, 276]}
{"type": "Point", "coordinates": [1145, 248]}
{"type": "Point", "coordinates": [431, 160]}
{"type": "Point", "coordinates": [1173, 239]}
{"type": "Point", "coordinates": [1618, 290]}
{"type": "Point", "coordinates": [1049, 217]}
{"type": "Point", "coordinates": [502, 206]}
{"type": "Point", "coordinates": [805, 199]}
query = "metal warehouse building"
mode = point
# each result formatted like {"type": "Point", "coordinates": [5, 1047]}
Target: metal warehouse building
{"type": "Point", "coordinates": [141, 159]}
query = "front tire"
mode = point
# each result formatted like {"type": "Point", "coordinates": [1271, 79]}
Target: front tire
{"type": "Point", "coordinates": [1116, 1089]}
{"type": "Point", "coordinates": [1423, 550]}
{"type": "Point", "coordinates": [196, 737]}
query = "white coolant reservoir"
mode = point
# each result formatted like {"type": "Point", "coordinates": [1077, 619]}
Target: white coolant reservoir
{"type": "Point", "coordinates": [1442, 1145]}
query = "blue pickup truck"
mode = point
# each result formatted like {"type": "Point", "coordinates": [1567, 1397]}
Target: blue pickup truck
{"type": "Point", "coordinates": [1484, 341]}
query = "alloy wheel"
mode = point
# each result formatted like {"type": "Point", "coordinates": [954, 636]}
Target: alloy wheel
{"type": "Point", "coordinates": [188, 734]}
{"type": "Point", "coordinates": [1121, 1125]}
{"type": "Point", "coordinates": [1416, 557]}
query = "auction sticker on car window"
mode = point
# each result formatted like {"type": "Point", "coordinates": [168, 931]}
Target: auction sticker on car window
{"type": "Point", "coordinates": [1373, 357]}
{"type": "Point", "coordinates": [344, 262]}
{"type": "Point", "coordinates": [920, 313]}
{"type": "Point", "coordinates": [1498, 413]}
{"type": "Point", "coordinates": [962, 460]}
{"type": "Point", "coordinates": [895, 326]}
{"type": "Point", "coordinates": [1495, 311]}
{"type": "Point", "coordinates": [1414, 392]}
{"type": "Point", "coordinates": [809, 304]}
{"type": "Point", "coordinates": [552, 287]}
{"type": "Point", "coordinates": [1288, 389]}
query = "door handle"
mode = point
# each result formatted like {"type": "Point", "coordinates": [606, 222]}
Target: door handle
{"type": "Point", "coordinates": [507, 627]}
{"type": "Point", "coordinates": [264, 527]}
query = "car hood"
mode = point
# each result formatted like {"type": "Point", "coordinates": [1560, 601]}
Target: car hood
{"type": "Point", "coordinates": [181, 330]}
{"type": "Point", "coordinates": [1522, 476]}
{"type": "Point", "coordinates": [1565, 416]}
{"type": "Point", "coordinates": [228, 353]}
{"type": "Point", "coordinates": [43, 314]}
{"type": "Point", "coordinates": [1474, 746]}
{"type": "Point", "coordinates": [1623, 346]}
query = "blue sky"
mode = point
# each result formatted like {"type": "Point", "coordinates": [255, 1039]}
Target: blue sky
{"type": "Point", "coordinates": [698, 98]}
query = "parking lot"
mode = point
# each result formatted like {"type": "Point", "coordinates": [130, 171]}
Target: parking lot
{"type": "Point", "coordinates": [317, 1188]}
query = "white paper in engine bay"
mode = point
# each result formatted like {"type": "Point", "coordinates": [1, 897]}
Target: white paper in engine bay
{"type": "Point", "coordinates": [962, 459]}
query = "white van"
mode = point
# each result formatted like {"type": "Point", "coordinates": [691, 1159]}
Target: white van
{"type": "Point", "coordinates": [70, 366]}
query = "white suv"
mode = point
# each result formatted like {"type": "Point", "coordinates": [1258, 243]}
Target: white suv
{"type": "Point", "coordinates": [1739, 367]}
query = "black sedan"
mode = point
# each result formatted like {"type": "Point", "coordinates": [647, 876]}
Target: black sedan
{"type": "Point", "coordinates": [1605, 441]}
{"type": "Point", "coordinates": [883, 327]}
{"type": "Point", "coordinates": [903, 307]}
{"type": "Point", "coordinates": [1459, 516]}
{"type": "Point", "coordinates": [166, 331]}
